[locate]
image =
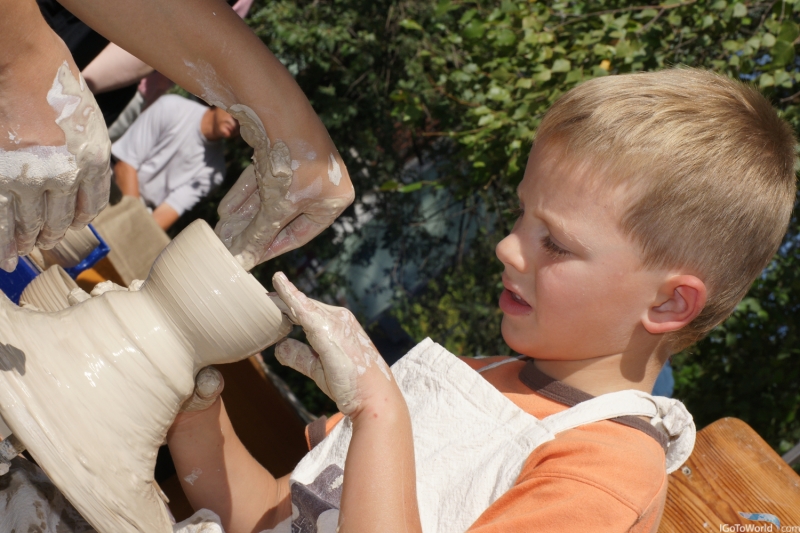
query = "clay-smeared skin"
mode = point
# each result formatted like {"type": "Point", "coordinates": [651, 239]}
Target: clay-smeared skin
{"type": "Point", "coordinates": [343, 350]}
{"type": "Point", "coordinates": [91, 390]}
{"type": "Point", "coordinates": [46, 189]}
{"type": "Point", "coordinates": [259, 205]}
{"type": "Point", "coordinates": [208, 385]}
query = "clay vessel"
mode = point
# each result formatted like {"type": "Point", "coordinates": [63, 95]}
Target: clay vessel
{"type": "Point", "coordinates": [91, 390]}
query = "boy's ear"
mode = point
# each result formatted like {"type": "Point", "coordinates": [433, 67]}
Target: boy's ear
{"type": "Point", "coordinates": [680, 299]}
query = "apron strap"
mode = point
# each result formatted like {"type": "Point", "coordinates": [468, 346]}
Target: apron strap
{"type": "Point", "coordinates": [666, 414]}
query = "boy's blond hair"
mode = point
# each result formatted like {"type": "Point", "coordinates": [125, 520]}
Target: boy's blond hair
{"type": "Point", "coordinates": [711, 167]}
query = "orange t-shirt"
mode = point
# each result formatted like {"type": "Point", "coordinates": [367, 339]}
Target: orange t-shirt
{"type": "Point", "coordinates": [604, 477]}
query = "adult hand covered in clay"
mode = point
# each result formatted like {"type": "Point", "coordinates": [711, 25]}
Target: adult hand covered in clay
{"type": "Point", "coordinates": [344, 362]}
{"type": "Point", "coordinates": [54, 158]}
{"type": "Point", "coordinates": [267, 212]}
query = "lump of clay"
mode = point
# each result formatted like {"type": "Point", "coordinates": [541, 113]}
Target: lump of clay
{"type": "Point", "coordinates": [92, 389]}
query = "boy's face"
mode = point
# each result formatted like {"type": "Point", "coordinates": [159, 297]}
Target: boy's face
{"type": "Point", "coordinates": [575, 286]}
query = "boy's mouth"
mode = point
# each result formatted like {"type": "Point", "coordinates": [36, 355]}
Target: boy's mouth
{"type": "Point", "coordinates": [512, 303]}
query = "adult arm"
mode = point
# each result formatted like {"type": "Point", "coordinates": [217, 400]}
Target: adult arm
{"type": "Point", "coordinates": [54, 148]}
{"type": "Point", "coordinates": [114, 68]}
{"type": "Point", "coordinates": [218, 473]}
{"type": "Point", "coordinates": [302, 184]}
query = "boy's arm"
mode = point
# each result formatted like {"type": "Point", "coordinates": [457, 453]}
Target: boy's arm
{"type": "Point", "coordinates": [379, 489]}
{"type": "Point", "coordinates": [217, 472]}
{"type": "Point", "coordinates": [205, 47]}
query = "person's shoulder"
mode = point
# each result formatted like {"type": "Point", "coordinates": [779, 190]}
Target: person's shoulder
{"type": "Point", "coordinates": [622, 461]}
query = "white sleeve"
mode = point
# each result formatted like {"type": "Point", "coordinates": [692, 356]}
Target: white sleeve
{"type": "Point", "coordinates": [186, 196]}
{"type": "Point", "coordinates": [137, 144]}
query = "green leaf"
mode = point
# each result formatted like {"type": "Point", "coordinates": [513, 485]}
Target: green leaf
{"type": "Point", "coordinates": [789, 31]}
{"type": "Point", "coordinates": [524, 83]}
{"type": "Point", "coordinates": [768, 40]}
{"type": "Point", "coordinates": [561, 65]}
{"type": "Point", "coordinates": [507, 6]}
{"type": "Point", "coordinates": [574, 76]}
{"type": "Point", "coordinates": [474, 30]}
{"type": "Point", "coordinates": [782, 53]}
{"type": "Point", "coordinates": [444, 6]}
{"type": "Point", "coordinates": [766, 80]}
{"type": "Point", "coordinates": [498, 94]}
{"type": "Point", "coordinates": [739, 10]}
{"type": "Point", "coordinates": [544, 75]}
{"type": "Point", "coordinates": [505, 37]}
{"type": "Point", "coordinates": [390, 185]}
{"type": "Point", "coordinates": [410, 25]}
{"type": "Point", "coordinates": [467, 16]}
{"type": "Point", "coordinates": [411, 187]}
{"type": "Point", "coordinates": [733, 46]}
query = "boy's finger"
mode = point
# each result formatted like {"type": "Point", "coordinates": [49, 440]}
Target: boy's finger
{"type": "Point", "coordinates": [302, 358]}
{"type": "Point", "coordinates": [299, 304]}
{"type": "Point", "coordinates": [282, 307]}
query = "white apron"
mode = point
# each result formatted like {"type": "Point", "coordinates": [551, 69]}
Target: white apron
{"type": "Point", "coordinates": [470, 443]}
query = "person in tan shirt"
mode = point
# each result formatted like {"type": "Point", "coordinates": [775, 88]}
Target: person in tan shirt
{"type": "Point", "coordinates": [650, 203]}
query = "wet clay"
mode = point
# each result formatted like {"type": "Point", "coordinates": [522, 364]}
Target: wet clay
{"type": "Point", "coordinates": [91, 390]}
{"type": "Point", "coordinates": [260, 204]}
{"type": "Point", "coordinates": [344, 352]}
{"type": "Point", "coordinates": [50, 291]}
{"type": "Point", "coordinates": [45, 189]}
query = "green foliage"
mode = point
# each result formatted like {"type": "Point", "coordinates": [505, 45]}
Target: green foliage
{"type": "Point", "coordinates": [465, 84]}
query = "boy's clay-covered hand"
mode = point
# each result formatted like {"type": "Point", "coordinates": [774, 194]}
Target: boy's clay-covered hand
{"type": "Point", "coordinates": [344, 362]}
{"type": "Point", "coordinates": [379, 488]}
{"type": "Point", "coordinates": [54, 147]}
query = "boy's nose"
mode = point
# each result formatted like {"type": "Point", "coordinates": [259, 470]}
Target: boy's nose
{"type": "Point", "coordinates": [509, 252]}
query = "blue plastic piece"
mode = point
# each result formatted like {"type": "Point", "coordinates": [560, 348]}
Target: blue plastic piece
{"type": "Point", "coordinates": [94, 256]}
{"type": "Point", "coordinates": [13, 283]}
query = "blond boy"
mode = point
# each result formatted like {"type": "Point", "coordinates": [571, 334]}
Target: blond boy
{"type": "Point", "coordinates": [649, 205]}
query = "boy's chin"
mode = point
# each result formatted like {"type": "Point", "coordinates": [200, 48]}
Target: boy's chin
{"type": "Point", "coordinates": [516, 337]}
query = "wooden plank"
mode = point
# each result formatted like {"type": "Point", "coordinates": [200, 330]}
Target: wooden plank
{"type": "Point", "coordinates": [731, 470]}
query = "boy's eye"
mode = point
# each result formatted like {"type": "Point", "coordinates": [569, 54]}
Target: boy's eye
{"type": "Point", "coordinates": [552, 248]}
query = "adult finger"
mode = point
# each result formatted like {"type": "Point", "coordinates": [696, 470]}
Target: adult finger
{"type": "Point", "coordinates": [8, 244]}
{"type": "Point", "coordinates": [244, 188]}
{"type": "Point", "coordinates": [59, 212]}
{"type": "Point", "coordinates": [299, 231]}
{"type": "Point", "coordinates": [208, 385]}
{"type": "Point", "coordinates": [92, 198]}
{"type": "Point", "coordinates": [29, 222]}
{"type": "Point", "coordinates": [302, 358]}
{"type": "Point", "coordinates": [249, 245]}
{"type": "Point", "coordinates": [233, 222]}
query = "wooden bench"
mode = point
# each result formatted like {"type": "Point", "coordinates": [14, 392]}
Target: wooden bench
{"type": "Point", "coordinates": [731, 470]}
